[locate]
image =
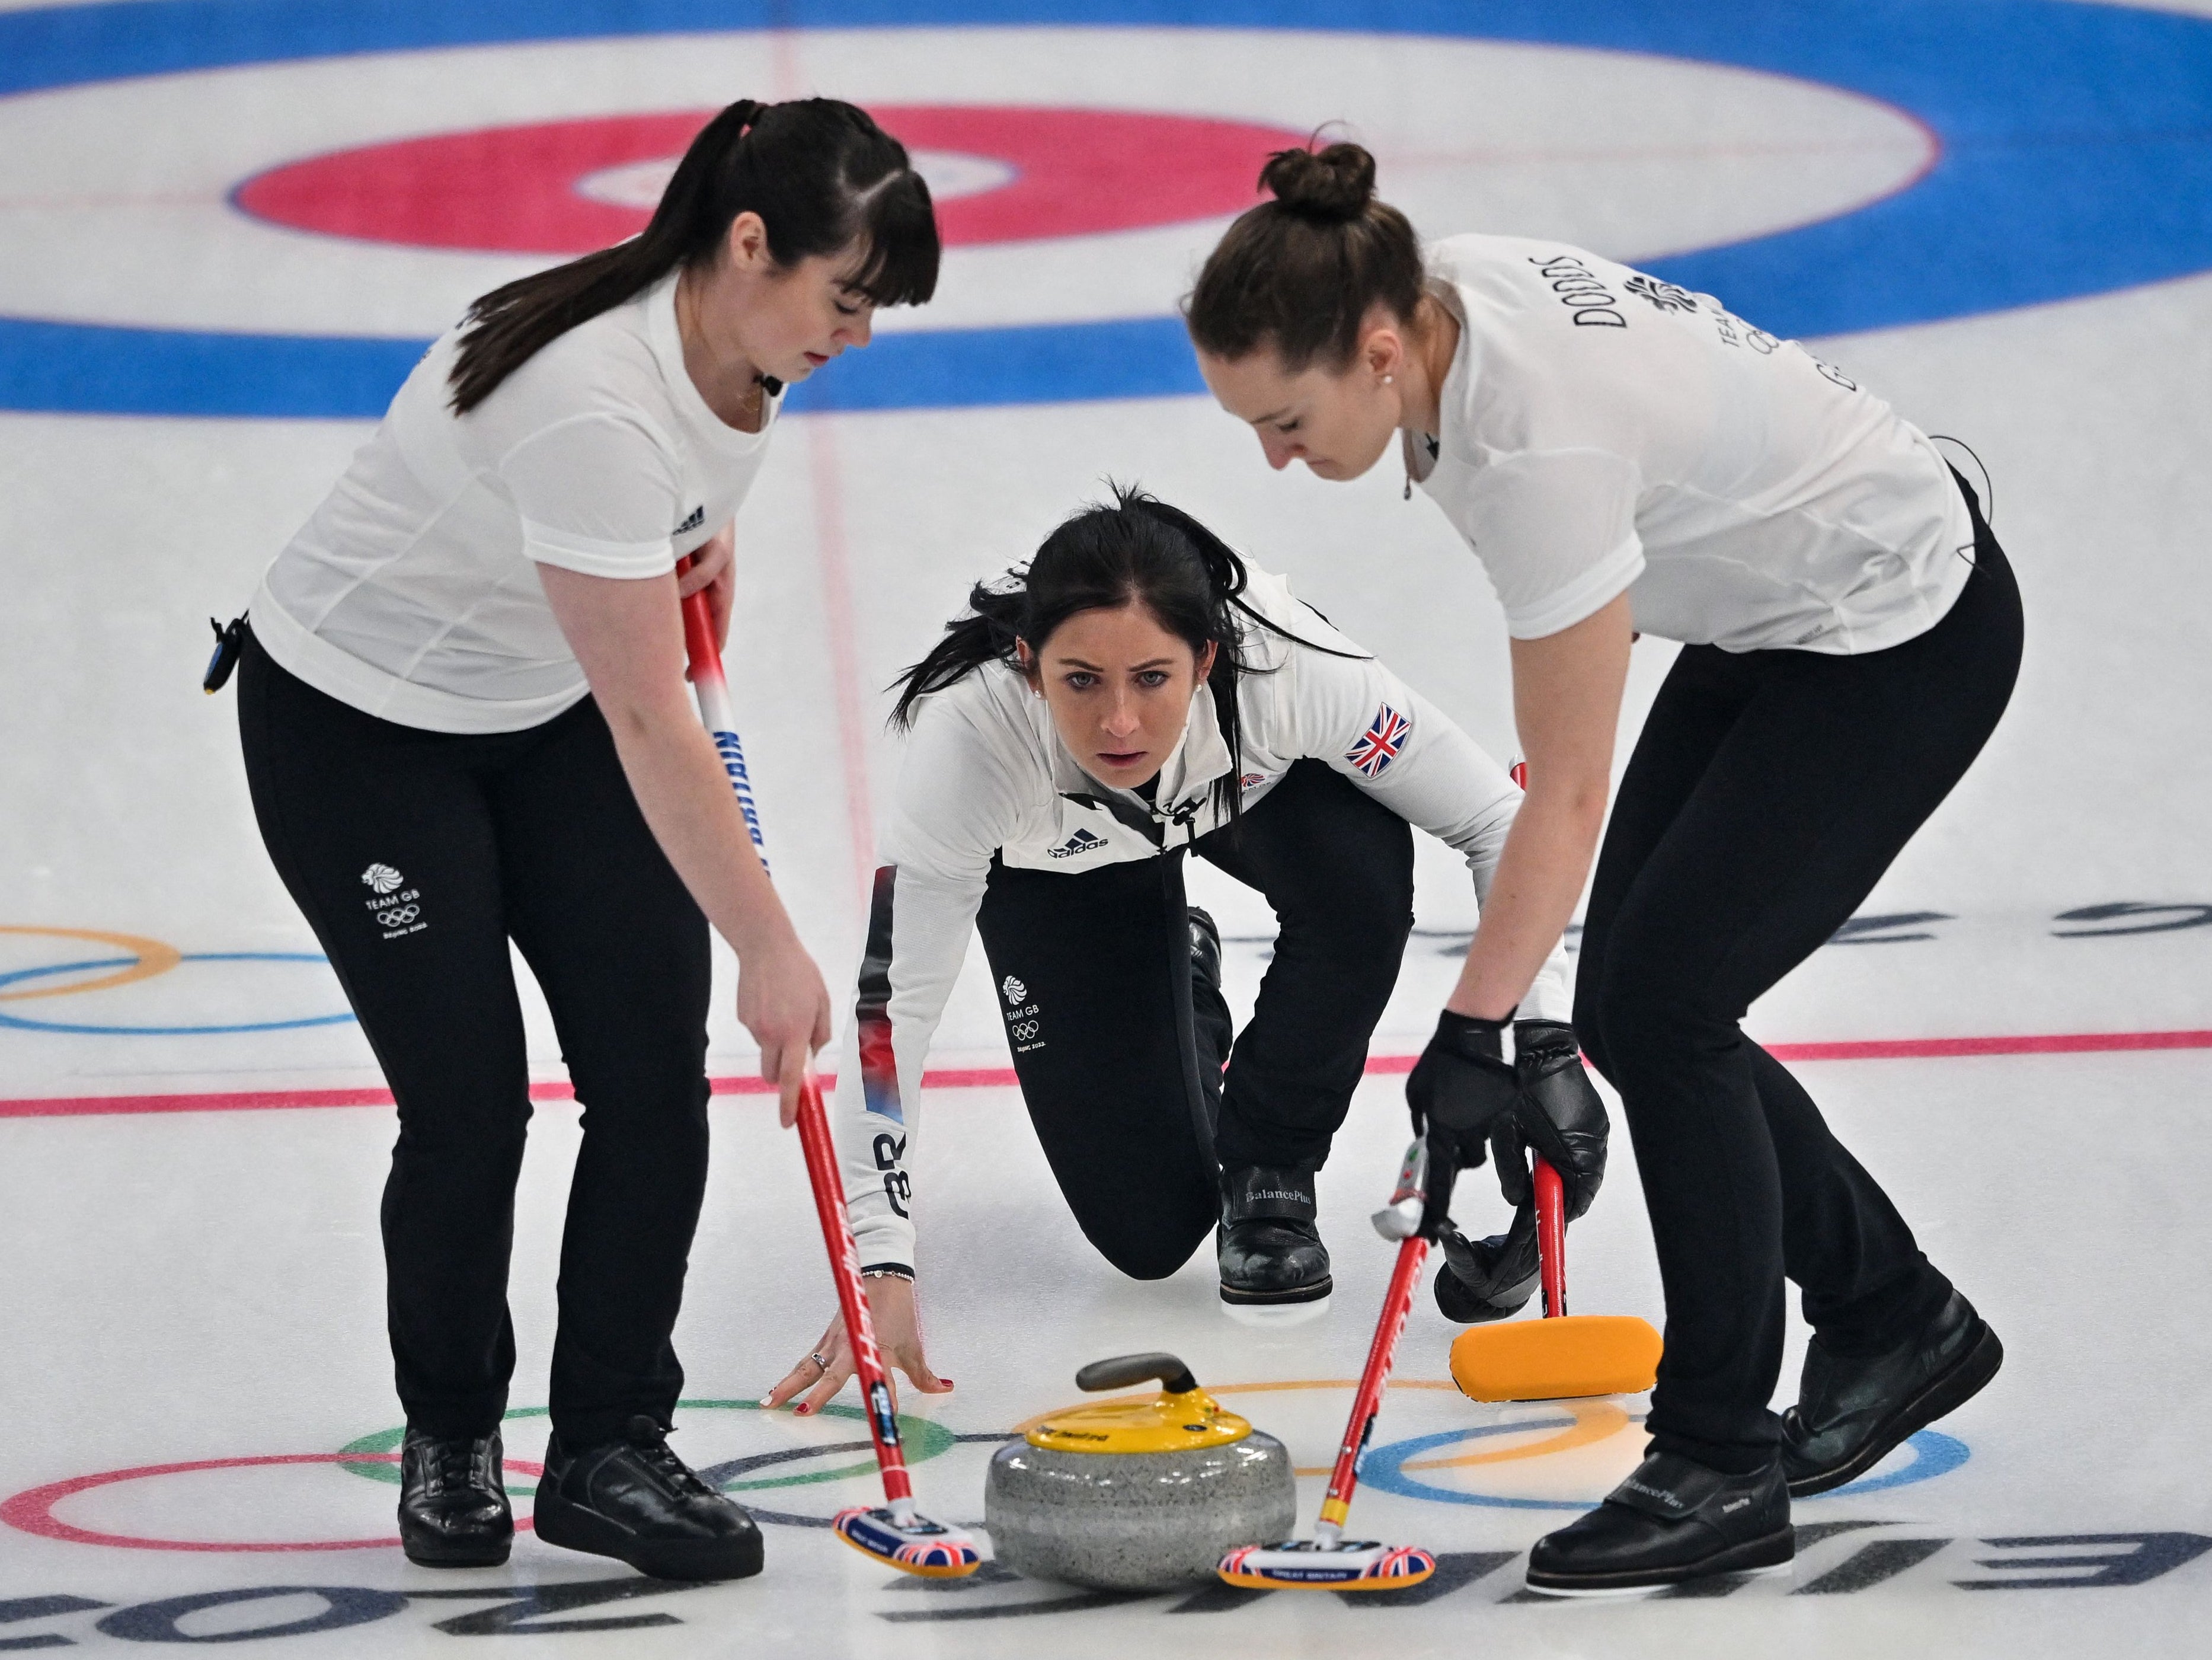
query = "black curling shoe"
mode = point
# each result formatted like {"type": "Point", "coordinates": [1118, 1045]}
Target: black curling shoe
{"type": "Point", "coordinates": [1271, 1252]}
{"type": "Point", "coordinates": [1670, 1521]}
{"type": "Point", "coordinates": [1849, 1412]}
{"type": "Point", "coordinates": [453, 1505]}
{"type": "Point", "coordinates": [636, 1501]}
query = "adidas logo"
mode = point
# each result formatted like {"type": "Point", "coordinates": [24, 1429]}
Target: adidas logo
{"type": "Point", "coordinates": [1082, 842]}
{"type": "Point", "coordinates": [698, 518]}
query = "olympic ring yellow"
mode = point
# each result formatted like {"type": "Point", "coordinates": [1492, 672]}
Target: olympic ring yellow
{"type": "Point", "coordinates": [153, 957]}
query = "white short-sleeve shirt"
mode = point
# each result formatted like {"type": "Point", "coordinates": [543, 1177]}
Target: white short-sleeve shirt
{"type": "Point", "coordinates": [1605, 432]}
{"type": "Point", "coordinates": [412, 593]}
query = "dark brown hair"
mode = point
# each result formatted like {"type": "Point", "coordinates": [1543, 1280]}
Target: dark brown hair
{"type": "Point", "coordinates": [821, 175]}
{"type": "Point", "coordinates": [1135, 550]}
{"type": "Point", "coordinates": [1300, 273]}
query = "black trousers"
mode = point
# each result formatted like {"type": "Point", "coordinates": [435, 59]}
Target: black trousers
{"type": "Point", "coordinates": [1120, 1053]}
{"type": "Point", "coordinates": [417, 856]}
{"type": "Point", "coordinates": [1768, 792]}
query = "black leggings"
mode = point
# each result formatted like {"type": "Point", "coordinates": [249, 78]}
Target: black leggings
{"type": "Point", "coordinates": [415, 857]}
{"type": "Point", "coordinates": [1768, 794]}
{"type": "Point", "coordinates": [1120, 1052]}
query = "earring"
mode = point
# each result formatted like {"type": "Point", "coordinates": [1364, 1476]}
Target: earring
{"type": "Point", "coordinates": [1388, 378]}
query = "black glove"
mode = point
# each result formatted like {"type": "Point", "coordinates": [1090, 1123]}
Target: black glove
{"type": "Point", "coordinates": [1557, 1114]}
{"type": "Point", "coordinates": [1459, 1089]}
{"type": "Point", "coordinates": [1488, 1279]}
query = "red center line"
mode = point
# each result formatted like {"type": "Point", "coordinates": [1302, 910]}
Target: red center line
{"type": "Point", "coordinates": [962, 1078]}
{"type": "Point", "coordinates": [844, 650]}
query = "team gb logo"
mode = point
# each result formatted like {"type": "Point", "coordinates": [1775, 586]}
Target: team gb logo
{"type": "Point", "coordinates": [1014, 989]}
{"type": "Point", "coordinates": [382, 877]}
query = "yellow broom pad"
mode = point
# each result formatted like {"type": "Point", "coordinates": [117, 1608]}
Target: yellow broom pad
{"type": "Point", "coordinates": [1554, 1359]}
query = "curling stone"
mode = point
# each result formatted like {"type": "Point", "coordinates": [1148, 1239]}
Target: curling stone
{"type": "Point", "coordinates": [1136, 1495]}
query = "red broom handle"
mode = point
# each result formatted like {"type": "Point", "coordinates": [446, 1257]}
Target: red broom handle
{"type": "Point", "coordinates": [1397, 1304]}
{"type": "Point", "coordinates": [852, 1299]}
{"type": "Point", "coordinates": [699, 632]}
{"type": "Point", "coordinates": [1551, 1194]}
{"type": "Point", "coordinates": [1552, 1238]}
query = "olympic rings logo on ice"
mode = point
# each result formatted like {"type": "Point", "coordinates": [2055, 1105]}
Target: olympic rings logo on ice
{"type": "Point", "coordinates": [141, 959]}
{"type": "Point", "coordinates": [1569, 1426]}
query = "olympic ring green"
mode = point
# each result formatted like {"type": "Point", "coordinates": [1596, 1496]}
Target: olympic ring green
{"type": "Point", "coordinates": [922, 1439]}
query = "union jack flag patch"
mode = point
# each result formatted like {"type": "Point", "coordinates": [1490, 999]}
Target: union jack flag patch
{"type": "Point", "coordinates": [1378, 746]}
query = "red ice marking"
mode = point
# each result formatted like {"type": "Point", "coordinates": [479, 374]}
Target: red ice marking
{"type": "Point", "coordinates": [968, 1078]}
{"type": "Point", "coordinates": [33, 1510]}
{"type": "Point", "coordinates": [514, 190]}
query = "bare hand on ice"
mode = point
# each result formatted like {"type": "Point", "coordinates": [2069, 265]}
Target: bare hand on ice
{"type": "Point", "coordinates": [897, 1321]}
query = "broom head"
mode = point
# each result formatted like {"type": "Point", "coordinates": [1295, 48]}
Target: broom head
{"type": "Point", "coordinates": [1555, 1359]}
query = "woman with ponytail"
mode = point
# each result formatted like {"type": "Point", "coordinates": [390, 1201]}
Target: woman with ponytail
{"type": "Point", "coordinates": [1624, 456]}
{"type": "Point", "coordinates": [1134, 696]}
{"type": "Point", "coordinates": [465, 724]}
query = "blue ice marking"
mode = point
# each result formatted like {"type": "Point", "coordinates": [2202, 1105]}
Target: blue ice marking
{"type": "Point", "coordinates": [48, 971]}
{"type": "Point", "coordinates": [1383, 1468]}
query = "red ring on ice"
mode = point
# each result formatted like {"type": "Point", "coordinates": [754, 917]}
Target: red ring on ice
{"type": "Point", "coordinates": [33, 1510]}
{"type": "Point", "coordinates": [514, 190]}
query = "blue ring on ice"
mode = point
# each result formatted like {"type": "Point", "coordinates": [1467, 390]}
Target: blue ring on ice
{"type": "Point", "coordinates": [1383, 1468]}
{"type": "Point", "coordinates": [2077, 159]}
{"type": "Point", "coordinates": [48, 970]}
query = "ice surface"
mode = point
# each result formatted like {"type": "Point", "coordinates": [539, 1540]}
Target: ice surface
{"type": "Point", "coordinates": [205, 1286]}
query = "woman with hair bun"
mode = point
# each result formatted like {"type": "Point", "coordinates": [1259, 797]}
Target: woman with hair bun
{"type": "Point", "coordinates": [464, 720]}
{"type": "Point", "coordinates": [1135, 695]}
{"type": "Point", "coordinates": [1625, 456]}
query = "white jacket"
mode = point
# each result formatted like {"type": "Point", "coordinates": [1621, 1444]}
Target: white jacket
{"type": "Point", "coordinates": [985, 772]}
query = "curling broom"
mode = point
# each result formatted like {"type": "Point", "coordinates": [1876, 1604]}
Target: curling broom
{"type": "Point", "coordinates": [1561, 1355]}
{"type": "Point", "coordinates": [893, 1533]}
{"type": "Point", "coordinates": [1328, 1561]}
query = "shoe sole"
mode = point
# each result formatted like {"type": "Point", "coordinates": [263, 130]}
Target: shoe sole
{"type": "Point", "coordinates": [452, 1556]}
{"type": "Point", "coordinates": [1275, 1300]}
{"type": "Point", "coordinates": [574, 1528]}
{"type": "Point", "coordinates": [1771, 1554]}
{"type": "Point", "coordinates": [1945, 1393]}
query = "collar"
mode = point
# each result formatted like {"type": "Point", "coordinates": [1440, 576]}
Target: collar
{"type": "Point", "coordinates": [666, 340]}
{"type": "Point", "coordinates": [1187, 779]}
{"type": "Point", "coordinates": [1422, 461]}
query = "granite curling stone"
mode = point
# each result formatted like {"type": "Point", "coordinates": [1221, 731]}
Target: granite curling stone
{"type": "Point", "coordinates": [1141, 1494]}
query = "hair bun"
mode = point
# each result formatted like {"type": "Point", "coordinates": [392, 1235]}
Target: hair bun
{"type": "Point", "coordinates": [1335, 183]}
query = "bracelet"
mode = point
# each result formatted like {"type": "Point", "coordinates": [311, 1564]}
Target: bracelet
{"type": "Point", "coordinates": [889, 1271]}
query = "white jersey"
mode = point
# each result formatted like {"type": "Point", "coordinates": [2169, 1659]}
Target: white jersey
{"type": "Point", "coordinates": [985, 772]}
{"type": "Point", "coordinates": [412, 593]}
{"type": "Point", "coordinates": [1605, 432]}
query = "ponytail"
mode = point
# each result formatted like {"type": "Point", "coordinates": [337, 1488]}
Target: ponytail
{"type": "Point", "coordinates": [1300, 274]}
{"type": "Point", "coordinates": [1138, 551]}
{"type": "Point", "coordinates": [821, 175]}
